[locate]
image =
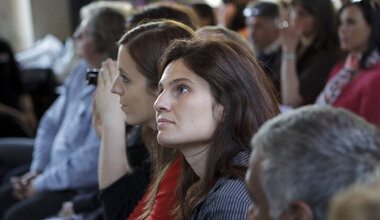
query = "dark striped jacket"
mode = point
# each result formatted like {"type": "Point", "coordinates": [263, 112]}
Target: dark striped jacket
{"type": "Point", "coordinates": [228, 198]}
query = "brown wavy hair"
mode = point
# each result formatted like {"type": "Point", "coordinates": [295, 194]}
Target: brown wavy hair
{"type": "Point", "coordinates": [237, 83]}
{"type": "Point", "coordinates": [146, 43]}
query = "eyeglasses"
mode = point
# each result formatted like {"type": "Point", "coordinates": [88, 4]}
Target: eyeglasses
{"type": "Point", "coordinates": [248, 12]}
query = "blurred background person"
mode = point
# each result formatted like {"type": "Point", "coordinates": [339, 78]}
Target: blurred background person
{"type": "Point", "coordinates": [205, 13]}
{"type": "Point", "coordinates": [354, 83]}
{"type": "Point", "coordinates": [66, 147]}
{"type": "Point", "coordinates": [261, 19]}
{"type": "Point", "coordinates": [230, 15]}
{"type": "Point", "coordinates": [17, 118]}
{"type": "Point", "coordinates": [358, 202]}
{"type": "Point", "coordinates": [309, 50]}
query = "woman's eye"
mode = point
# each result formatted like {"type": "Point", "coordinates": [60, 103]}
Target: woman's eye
{"type": "Point", "coordinates": [124, 79]}
{"type": "Point", "coordinates": [183, 89]}
{"type": "Point", "coordinates": [351, 21]}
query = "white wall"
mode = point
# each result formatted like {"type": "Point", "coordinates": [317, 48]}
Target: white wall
{"type": "Point", "coordinates": [22, 22]}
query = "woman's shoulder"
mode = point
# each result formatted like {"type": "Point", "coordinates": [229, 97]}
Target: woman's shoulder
{"type": "Point", "coordinates": [228, 199]}
{"type": "Point", "coordinates": [230, 187]}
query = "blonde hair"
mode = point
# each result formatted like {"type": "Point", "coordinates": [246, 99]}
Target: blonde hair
{"type": "Point", "coordinates": [359, 202]}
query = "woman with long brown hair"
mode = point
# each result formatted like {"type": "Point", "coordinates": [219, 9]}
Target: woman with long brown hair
{"type": "Point", "coordinates": [136, 86]}
{"type": "Point", "coordinates": [213, 98]}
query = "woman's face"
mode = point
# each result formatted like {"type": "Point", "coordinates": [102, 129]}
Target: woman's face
{"type": "Point", "coordinates": [85, 44]}
{"type": "Point", "coordinates": [136, 99]}
{"type": "Point", "coordinates": [303, 20]}
{"type": "Point", "coordinates": [186, 112]}
{"type": "Point", "coordinates": [354, 32]}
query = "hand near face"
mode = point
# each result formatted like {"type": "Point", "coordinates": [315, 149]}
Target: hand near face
{"type": "Point", "coordinates": [106, 107]}
{"type": "Point", "coordinates": [289, 37]}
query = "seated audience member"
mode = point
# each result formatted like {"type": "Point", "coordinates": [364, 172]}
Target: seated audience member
{"type": "Point", "coordinates": [263, 33]}
{"type": "Point", "coordinates": [358, 202]}
{"type": "Point", "coordinates": [17, 118]}
{"type": "Point", "coordinates": [198, 115]}
{"type": "Point", "coordinates": [354, 84]}
{"type": "Point", "coordinates": [66, 147]}
{"type": "Point", "coordinates": [301, 159]}
{"type": "Point", "coordinates": [205, 13]}
{"type": "Point", "coordinates": [136, 88]}
{"type": "Point", "coordinates": [230, 14]}
{"type": "Point", "coordinates": [309, 50]}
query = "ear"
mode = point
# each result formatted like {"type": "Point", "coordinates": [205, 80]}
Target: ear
{"type": "Point", "coordinates": [218, 111]}
{"type": "Point", "coordinates": [298, 210]}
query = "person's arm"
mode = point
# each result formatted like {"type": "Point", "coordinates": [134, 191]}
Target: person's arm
{"type": "Point", "coordinates": [109, 123]}
{"type": "Point", "coordinates": [121, 197]}
{"type": "Point", "coordinates": [26, 105]}
{"type": "Point", "coordinates": [78, 170]}
{"type": "Point", "coordinates": [86, 202]}
{"type": "Point", "coordinates": [46, 132]}
{"type": "Point", "coordinates": [290, 83]}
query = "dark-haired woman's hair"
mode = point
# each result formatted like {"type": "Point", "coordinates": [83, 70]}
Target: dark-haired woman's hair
{"type": "Point", "coordinates": [324, 15]}
{"type": "Point", "coordinates": [164, 10]}
{"type": "Point", "coordinates": [371, 14]}
{"type": "Point", "coordinates": [236, 82]}
{"type": "Point", "coordinates": [146, 43]}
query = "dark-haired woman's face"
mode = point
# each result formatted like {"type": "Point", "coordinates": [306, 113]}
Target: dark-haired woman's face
{"type": "Point", "coordinates": [136, 98]}
{"type": "Point", "coordinates": [302, 20]}
{"type": "Point", "coordinates": [354, 32]}
{"type": "Point", "coordinates": [186, 111]}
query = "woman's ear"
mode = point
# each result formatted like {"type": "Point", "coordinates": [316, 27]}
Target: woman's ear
{"type": "Point", "coordinates": [218, 111]}
{"type": "Point", "coordinates": [299, 210]}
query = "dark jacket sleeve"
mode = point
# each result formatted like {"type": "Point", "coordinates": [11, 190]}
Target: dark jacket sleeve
{"type": "Point", "coordinates": [86, 202]}
{"type": "Point", "coordinates": [120, 198]}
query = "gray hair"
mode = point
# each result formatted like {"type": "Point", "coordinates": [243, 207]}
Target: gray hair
{"type": "Point", "coordinates": [106, 25]}
{"type": "Point", "coordinates": [312, 153]}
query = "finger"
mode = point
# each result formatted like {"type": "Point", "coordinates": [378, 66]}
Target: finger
{"type": "Point", "coordinates": [108, 76]}
{"type": "Point", "coordinates": [101, 77]}
{"type": "Point", "coordinates": [113, 70]}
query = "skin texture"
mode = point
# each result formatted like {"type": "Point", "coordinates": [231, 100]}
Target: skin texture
{"type": "Point", "coordinates": [353, 30]}
{"type": "Point", "coordinates": [136, 100]}
{"type": "Point", "coordinates": [186, 113]}
{"type": "Point", "coordinates": [130, 94]}
{"type": "Point", "coordinates": [85, 45]}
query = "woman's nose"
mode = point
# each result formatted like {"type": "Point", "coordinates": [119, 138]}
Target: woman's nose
{"type": "Point", "coordinates": [162, 103]}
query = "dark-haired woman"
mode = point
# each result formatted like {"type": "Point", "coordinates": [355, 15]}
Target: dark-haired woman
{"type": "Point", "coordinates": [354, 84]}
{"type": "Point", "coordinates": [213, 97]}
{"type": "Point", "coordinates": [309, 51]}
